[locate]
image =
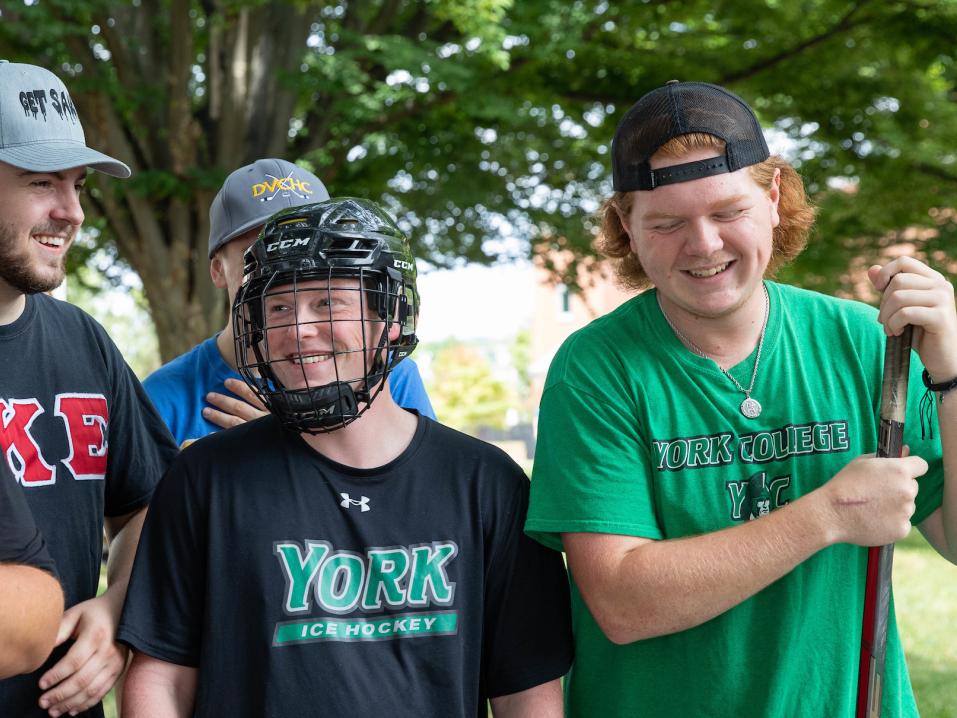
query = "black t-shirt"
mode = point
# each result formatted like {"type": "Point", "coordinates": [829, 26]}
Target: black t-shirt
{"type": "Point", "coordinates": [82, 439]}
{"type": "Point", "coordinates": [299, 586]}
{"type": "Point", "coordinates": [20, 540]}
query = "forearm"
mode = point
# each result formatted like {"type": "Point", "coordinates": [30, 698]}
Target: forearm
{"type": "Point", "coordinates": [157, 689]}
{"type": "Point", "coordinates": [542, 701]}
{"type": "Point", "coordinates": [661, 587]}
{"type": "Point", "coordinates": [32, 604]}
{"type": "Point", "coordinates": [947, 424]}
{"type": "Point", "coordinates": [124, 539]}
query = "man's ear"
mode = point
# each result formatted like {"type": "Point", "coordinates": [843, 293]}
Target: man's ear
{"type": "Point", "coordinates": [774, 198]}
{"type": "Point", "coordinates": [394, 332]}
{"type": "Point", "coordinates": [217, 272]}
{"type": "Point", "coordinates": [623, 219]}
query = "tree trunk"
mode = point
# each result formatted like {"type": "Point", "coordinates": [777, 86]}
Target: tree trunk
{"type": "Point", "coordinates": [160, 218]}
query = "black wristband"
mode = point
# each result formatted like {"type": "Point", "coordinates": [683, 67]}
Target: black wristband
{"type": "Point", "coordinates": [943, 387]}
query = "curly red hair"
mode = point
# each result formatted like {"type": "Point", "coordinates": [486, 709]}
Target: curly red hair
{"type": "Point", "coordinates": [789, 238]}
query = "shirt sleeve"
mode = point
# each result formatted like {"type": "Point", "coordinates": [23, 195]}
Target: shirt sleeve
{"type": "Point", "coordinates": [20, 540]}
{"type": "Point", "coordinates": [592, 469]}
{"type": "Point", "coordinates": [140, 445]}
{"type": "Point", "coordinates": [407, 388]}
{"type": "Point", "coordinates": [528, 638]}
{"type": "Point", "coordinates": [163, 613]}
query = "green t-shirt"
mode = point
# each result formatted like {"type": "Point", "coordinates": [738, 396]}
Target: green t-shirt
{"type": "Point", "coordinates": [639, 436]}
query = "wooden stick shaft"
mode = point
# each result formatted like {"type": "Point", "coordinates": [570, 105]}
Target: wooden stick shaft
{"type": "Point", "coordinates": [877, 588]}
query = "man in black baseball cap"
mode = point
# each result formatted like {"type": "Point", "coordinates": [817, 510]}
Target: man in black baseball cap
{"type": "Point", "coordinates": [704, 453]}
{"type": "Point", "coordinates": [201, 391]}
{"type": "Point", "coordinates": [78, 434]}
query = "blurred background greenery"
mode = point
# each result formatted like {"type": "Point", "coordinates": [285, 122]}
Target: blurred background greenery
{"type": "Point", "coordinates": [484, 125]}
{"type": "Point", "coordinates": [925, 591]}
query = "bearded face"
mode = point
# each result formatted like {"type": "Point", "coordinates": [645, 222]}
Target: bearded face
{"type": "Point", "coordinates": [39, 217]}
{"type": "Point", "coordinates": [28, 270]}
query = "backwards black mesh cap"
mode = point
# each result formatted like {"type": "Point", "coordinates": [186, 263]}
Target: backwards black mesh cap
{"type": "Point", "coordinates": [680, 108]}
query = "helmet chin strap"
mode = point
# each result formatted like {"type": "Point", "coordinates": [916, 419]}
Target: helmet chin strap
{"type": "Point", "coordinates": [330, 406]}
{"type": "Point", "coordinates": [323, 408]}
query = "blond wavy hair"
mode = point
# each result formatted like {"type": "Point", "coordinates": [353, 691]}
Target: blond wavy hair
{"type": "Point", "coordinates": [789, 237]}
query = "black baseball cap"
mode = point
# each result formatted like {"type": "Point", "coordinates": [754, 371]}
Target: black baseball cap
{"type": "Point", "coordinates": [680, 108]}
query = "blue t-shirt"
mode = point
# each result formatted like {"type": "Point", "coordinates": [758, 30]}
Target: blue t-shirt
{"type": "Point", "coordinates": [179, 389]}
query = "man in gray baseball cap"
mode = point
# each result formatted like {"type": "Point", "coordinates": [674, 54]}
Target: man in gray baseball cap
{"type": "Point", "coordinates": [39, 126]}
{"type": "Point", "coordinates": [40, 131]}
{"type": "Point", "coordinates": [78, 434]}
{"type": "Point", "coordinates": [201, 391]}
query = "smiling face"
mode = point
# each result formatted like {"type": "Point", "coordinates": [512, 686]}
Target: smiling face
{"type": "Point", "coordinates": [40, 214]}
{"type": "Point", "coordinates": [321, 333]}
{"type": "Point", "coordinates": [704, 244]}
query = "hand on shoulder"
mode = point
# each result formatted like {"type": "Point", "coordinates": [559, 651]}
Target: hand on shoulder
{"type": "Point", "coordinates": [228, 411]}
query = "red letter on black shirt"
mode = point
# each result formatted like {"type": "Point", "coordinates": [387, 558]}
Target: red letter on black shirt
{"type": "Point", "coordinates": [86, 418]}
{"type": "Point", "coordinates": [16, 442]}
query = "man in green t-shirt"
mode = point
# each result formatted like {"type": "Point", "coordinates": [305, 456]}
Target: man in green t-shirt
{"type": "Point", "coordinates": [705, 450]}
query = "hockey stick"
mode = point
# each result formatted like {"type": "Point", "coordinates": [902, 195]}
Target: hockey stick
{"type": "Point", "coordinates": [877, 588]}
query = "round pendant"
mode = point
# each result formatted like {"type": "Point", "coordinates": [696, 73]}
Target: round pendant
{"type": "Point", "coordinates": [751, 408]}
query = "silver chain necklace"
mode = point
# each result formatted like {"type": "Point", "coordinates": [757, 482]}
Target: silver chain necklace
{"type": "Point", "coordinates": [751, 408]}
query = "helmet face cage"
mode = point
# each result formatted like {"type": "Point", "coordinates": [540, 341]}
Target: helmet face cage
{"type": "Point", "coordinates": [326, 310]}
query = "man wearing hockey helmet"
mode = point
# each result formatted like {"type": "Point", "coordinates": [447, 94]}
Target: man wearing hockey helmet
{"type": "Point", "coordinates": [327, 309]}
{"type": "Point", "coordinates": [201, 391]}
{"type": "Point", "coordinates": [286, 564]}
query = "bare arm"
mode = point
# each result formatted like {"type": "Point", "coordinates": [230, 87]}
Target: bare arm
{"type": "Point", "coordinates": [123, 533]}
{"type": "Point", "coordinates": [637, 588]}
{"type": "Point", "coordinates": [157, 689]}
{"type": "Point", "coordinates": [31, 603]}
{"type": "Point", "coordinates": [542, 701]}
{"type": "Point", "coordinates": [940, 528]}
{"type": "Point", "coordinates": [89, 669]}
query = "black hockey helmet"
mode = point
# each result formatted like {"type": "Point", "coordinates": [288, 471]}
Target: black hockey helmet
{"type": "Point", "coordinates": [315, 245]}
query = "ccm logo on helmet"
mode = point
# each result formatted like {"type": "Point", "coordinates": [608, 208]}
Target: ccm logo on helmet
{"type": "Point", "coordinates": [402, 265]}
{"type": "Point", "coordinates": [287, 244]}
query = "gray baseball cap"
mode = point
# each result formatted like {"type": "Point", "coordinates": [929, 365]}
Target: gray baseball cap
{"type": "Point", "coordinates": [40, 130]}
{"type": "Point", "coordinates": [252, 194]}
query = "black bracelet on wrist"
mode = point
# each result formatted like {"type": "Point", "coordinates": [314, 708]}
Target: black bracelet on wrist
{"type": "Point", "coordinates": [941, 387]}
{"type": "Point", "coordinates": [926, 408]}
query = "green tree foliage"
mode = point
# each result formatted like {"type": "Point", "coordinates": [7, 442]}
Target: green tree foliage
{"type": "Point", "coordinates": [475, 118]}
{"type": "Point", "coordinates": [464, 392]}
{"type": "Point", "coordinates": [121, 313]}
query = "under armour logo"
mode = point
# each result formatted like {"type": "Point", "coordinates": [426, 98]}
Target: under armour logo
{"type": "Point", "coordinates": [347, 501]}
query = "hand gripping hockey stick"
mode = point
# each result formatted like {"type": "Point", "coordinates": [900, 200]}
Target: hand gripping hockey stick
{"type": "Point", "coordinates": [877, 588]}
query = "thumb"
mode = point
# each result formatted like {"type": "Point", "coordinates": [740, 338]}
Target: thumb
{"type": "Point", "coordinates": [916, 464]}
{"type": "Point", "coordinates": [71, 617]}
